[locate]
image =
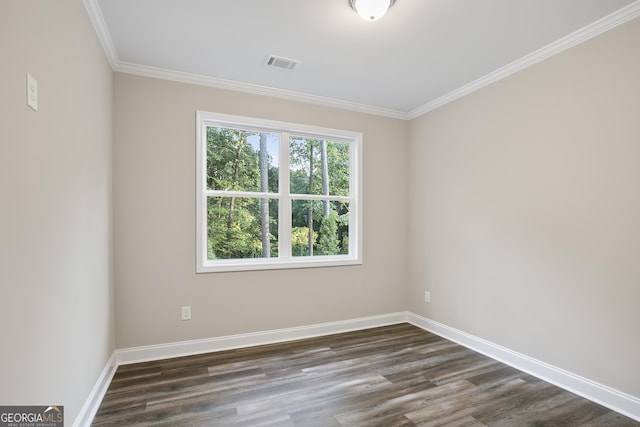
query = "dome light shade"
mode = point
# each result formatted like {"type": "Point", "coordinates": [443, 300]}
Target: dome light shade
{"type": "Point", "coordinates": [371, 10]}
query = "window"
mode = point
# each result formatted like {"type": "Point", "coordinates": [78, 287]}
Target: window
{"type": "Point", "coordinates": [276, 195]}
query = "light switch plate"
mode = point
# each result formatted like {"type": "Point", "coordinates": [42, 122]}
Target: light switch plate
{"type": "Point", "coordinates": [32, 92]}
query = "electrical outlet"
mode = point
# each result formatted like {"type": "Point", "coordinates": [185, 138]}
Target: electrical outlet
{"type": "Point", "coordinates": [427, 296]}
{"type": "Point", "coordinates": [186, 313]}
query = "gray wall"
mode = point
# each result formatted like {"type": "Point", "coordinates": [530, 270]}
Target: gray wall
{"type": "Point", "coordinates": [56, 321]}
{"type": "Point", "coordinates": [154, 181]}
{"type": "Point", "coordinates": [525, 214]}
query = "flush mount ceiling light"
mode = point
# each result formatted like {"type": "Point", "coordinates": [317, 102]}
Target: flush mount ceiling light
{"type": "Point", "coordinates": [371, 10]}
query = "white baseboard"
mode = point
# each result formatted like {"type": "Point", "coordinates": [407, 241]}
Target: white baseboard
{"type": "Point", "coordinates": [91, 405]}
{"type": "Point", "coordinates": [187, 348]}
{"type": "Point", "coordinates": [606, 396]}
{"type": "Point", "coordinates": [618, 401]}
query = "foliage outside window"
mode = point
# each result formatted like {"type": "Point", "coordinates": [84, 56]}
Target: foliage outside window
{"type": "Point", "coordinates": [275, 195]}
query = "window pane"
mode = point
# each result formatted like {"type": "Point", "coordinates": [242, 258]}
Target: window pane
{"type": "Point", "coordinates": [242, 160]}
{"type": "Point", "coordinates": [319, 228]}
{"type": "Point", "coordinates": [240, 227]}
{"type": "Point", "coordinates": [318, 167]}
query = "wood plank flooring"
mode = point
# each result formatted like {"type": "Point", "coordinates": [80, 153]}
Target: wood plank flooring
{"type": "Point", "coordinates": [390, 376]}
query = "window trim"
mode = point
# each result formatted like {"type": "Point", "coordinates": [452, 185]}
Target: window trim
{"type": "Point", "coordinates": [284, 260]}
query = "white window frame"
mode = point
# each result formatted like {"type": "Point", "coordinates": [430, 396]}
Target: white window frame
{"type": "Point", "coordinates": [284, 260]}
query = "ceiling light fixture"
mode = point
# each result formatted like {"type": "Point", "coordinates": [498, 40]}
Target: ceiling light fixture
{"type": "Point", "coordinates": [371, 10]}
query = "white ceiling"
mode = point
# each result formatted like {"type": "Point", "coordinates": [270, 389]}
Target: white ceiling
{"type": "Point", "coordinates": [422, 54]}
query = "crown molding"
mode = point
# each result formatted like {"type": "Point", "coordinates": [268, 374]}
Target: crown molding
{"type": "Point", "coordinates": [95, 15]}
{"type": "Point", "coordinates": [203, 80]}
{"type": "Point", "coordinates": [605, 24]}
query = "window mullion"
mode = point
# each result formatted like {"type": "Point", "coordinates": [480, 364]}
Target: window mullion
{"type": "Point", "coordinates": [284, 220]}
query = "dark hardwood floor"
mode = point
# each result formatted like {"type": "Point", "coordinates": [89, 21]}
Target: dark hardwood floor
{"type": "Point", "coordinates": [391, 376]}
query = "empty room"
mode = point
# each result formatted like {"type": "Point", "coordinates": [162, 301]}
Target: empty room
{"type": "Point", "coordinates": [320, 212]}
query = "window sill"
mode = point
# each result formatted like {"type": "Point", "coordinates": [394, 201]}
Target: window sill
{"type": "Point", "coordinates": [275, 264]}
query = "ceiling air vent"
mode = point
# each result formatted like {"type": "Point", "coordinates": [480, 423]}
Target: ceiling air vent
{"type": "Point", "coordinates": [280, 62]}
